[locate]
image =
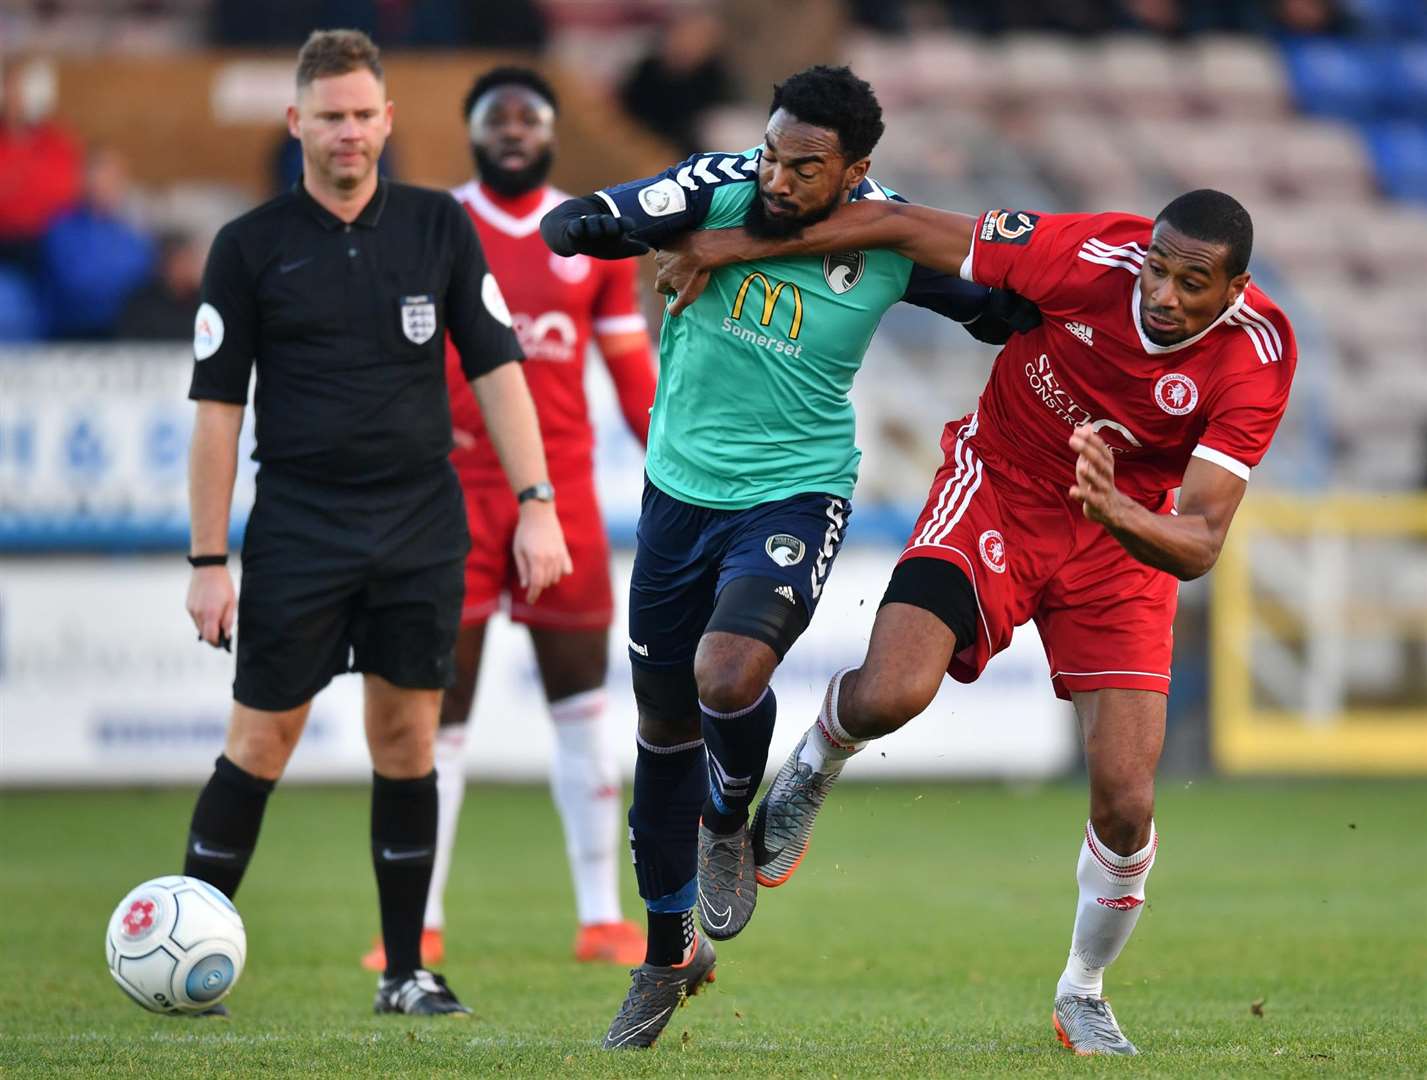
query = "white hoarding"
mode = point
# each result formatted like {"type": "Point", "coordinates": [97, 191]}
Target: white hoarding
{"type": "Point", "coordinates": [102, 681]}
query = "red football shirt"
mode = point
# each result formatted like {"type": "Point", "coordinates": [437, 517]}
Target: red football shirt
{"type": "Point", "coordinates": [1218, 395]}
{"type": "Point", "coordinates": [555, 304]}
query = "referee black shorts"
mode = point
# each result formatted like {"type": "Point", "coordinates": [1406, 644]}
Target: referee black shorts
{"type": "Point", "coordinates": [339, 579]}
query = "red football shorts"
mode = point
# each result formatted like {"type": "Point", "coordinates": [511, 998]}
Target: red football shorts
{"type": "Point", "coordinates": [1105, 618]}
{"type": "Point", "coordinates": [581, 600]}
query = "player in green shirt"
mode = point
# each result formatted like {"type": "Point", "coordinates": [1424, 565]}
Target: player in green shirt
{"type": "Point", "coordinates": [751, 463]}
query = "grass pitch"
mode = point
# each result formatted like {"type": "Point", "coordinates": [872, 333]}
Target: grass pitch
{"type": "Point", "coordinates": [922, 937]}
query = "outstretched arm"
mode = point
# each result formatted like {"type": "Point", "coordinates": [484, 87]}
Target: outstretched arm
{"type": "Point", "coordinates": [936, 239]}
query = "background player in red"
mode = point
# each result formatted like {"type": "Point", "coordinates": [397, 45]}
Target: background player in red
{"type": "Point", "coordinates": [556, 305]}
{"type": "Point", "coordinates": [1157, 365]}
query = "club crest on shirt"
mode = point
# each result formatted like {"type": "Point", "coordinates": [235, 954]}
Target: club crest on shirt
{"type": "Point", "coordinates": [571, 269]}
{"type": "Point", "coordinates": [843, 270]}
{"type": "Point", "coordinates": [418, 318]}
{"type": "Point", "coordinates": [1008, 227]}
{"type": "Point", "coordinates": [993, 550]}
{"type": "Point", "coordinates": [1176, 394]}
{"type": "Point", "coordinates": [785, 550]}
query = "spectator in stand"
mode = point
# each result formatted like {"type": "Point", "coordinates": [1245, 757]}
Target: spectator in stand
{"type": "Point", "coordinates": [670, 89]}
{"type": "Point", "coordinates": [39, 160]}
{"type": "Point", "coordinates": [91, 258]}
{"type": "Point", "coordinates": [163, 309]}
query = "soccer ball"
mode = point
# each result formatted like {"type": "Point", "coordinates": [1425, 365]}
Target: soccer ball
{"type": "Point", "coordinates": [176, 945]}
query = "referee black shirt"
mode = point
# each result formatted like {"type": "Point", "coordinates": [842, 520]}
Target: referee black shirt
{"type": "Point", "coordinates": [347, 326]}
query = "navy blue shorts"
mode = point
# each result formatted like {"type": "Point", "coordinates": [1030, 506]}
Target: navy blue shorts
{"type": "Point", "coordinates": [686, 554]}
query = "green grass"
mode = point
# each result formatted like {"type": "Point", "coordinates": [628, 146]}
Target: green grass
{"type": "Point", "coordinates": [922, 937]}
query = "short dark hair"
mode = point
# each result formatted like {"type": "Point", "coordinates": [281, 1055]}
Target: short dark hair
{"type": "Point", "coordinates": [836, 99]}
{"type": "Point", "coordinates": [337, 52]}
{"type": "Point", "coordinates": [508, 76]}
{"type": "Point", "coordinates": [1215, 218]}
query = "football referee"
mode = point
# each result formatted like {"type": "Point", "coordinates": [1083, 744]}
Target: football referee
{"type": "Point", "coordinates": [342, 291]}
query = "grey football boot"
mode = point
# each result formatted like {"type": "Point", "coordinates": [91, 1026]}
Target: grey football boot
{"type": "Point", "coordinates": [1088, 1026]}
{"type": "Point", "coordinates": [654, 994]}
{"type": "Point", "coordinates": [728, 889]}
{"type": "Point", "coordinates": [783, 822]}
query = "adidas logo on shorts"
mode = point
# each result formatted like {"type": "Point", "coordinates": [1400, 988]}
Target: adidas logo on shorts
{"type": "Point", "coordinates": [786, 592]}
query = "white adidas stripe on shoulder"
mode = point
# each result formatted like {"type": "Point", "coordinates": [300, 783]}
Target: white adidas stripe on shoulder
{"type": "Point", "coordinates": [1262, 344]}
{"type": "Point", "coordinates": [1129, 256]}
{"type": "Point", "coordinates": [1104, 260]}
{"type": "Point", "coordinates": [1129, 248]}
{"type": "Point", "coordinates": [1267, 324]}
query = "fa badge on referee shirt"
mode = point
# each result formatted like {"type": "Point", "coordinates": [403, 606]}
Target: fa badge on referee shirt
{"type": "Point", "coordinates": [418, 318]}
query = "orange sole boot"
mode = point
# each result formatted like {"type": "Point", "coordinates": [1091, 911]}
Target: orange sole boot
{"type": "Point", "coordinates": [433, 951]}
{"type": "Point", "coordinates": [619, 943]}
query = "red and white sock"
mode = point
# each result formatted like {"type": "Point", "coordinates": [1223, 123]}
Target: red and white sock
{"type": "Point", "coordinates": [450, 793]}
{"type": "Point", "coordinates": [584, 779]}
{"type": "Point", "coordinates": [1112, 894]}
{"type": "Point", "coordinates": [828, 745]}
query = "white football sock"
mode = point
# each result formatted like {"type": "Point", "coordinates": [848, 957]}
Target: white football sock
{"type": "Point", "coordinates": [450, 791]}
{"type": "Point", "coordinates": [1112, 894]}
{"type": "Point", "coordinates": [828, 745]}
{"type": "Point", "coordinates": [584, 779]}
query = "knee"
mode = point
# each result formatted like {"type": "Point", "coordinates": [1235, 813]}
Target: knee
{"type": "Point", "coordinates": [668, 705]}
{"type": "Point", "coordinates": [1121, 816]}
{"type": "Point", "coordinates": [262, 749]}
{"type": "Point", "coordinates": [726, 684]}
{"type": "Point", "coordinates": [403, 746]}
{"type": "Point", "coordinates": [877, 706]}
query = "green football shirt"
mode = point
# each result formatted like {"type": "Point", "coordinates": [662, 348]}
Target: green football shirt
{"type": "Point", "coordinates": [752, 401]}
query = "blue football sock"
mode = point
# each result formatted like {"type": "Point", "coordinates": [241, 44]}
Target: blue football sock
{"type": "Point", "coordinates": [738, 753]}
{"type": "Point", "coordinates": [669, 788]}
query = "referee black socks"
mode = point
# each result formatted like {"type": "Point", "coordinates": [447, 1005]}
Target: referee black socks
{"type": "Point", "coordinates": [225, 826]}
{"type": "Point", "coordinates": [403, 850]}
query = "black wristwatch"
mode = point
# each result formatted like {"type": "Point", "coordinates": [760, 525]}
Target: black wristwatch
{"type": "Point", "coordinates": [544, 491]}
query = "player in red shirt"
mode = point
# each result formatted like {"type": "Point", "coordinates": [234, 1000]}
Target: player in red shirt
{"type": "Point", "coordinates": [557, 305]}
{"type": "Point", "coordinates": [1158, 365]}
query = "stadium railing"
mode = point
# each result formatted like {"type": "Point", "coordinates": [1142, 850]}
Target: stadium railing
{"type": "Point", "coordinates": [1319, 636]}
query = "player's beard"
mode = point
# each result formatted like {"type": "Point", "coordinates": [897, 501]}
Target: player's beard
{"type": "Point", "coordinates": [758, 222]}
{"type": "Point", "coordinates": [512, 182]}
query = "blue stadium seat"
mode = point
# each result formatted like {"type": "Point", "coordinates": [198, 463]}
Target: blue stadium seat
{"type": "Point", "coordinates": [1404, 80]}
{"type": "Point", "coordinates": [1335, 78]}
{"type": "Point", "coordinates": [20, 318]}
{"type": "Point", "coordinates": [1399, 151]}
{"type": "Point", "coordinates": [1391, 19]}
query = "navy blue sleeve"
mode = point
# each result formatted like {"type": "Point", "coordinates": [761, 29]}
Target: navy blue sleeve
{"type": "Point", "coordinates": [678, 199]}
{"type": "Point", "coordinates": [946, 294]}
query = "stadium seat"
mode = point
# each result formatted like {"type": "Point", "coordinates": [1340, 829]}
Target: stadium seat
{"type": "Point", "coordinates": [1043, 69]}
{"type": "Point", "coordinates": [20, 318]}
{"type": "Point", "coordinates": [1334, 78]}
{"type": "Point", "coordinates": [1399, 151]}
{"type": "Point", "coordinates": [1405, 81]}
{"type": "Point", "coordinates": [1386, 238]}
{"type": "Point", "coordinates": [1127, 75]}
{"type": "Point", "coordinates": [1309, 238]}
{"type": "Point", "coordinates": [950, 70]}
{"type": "Point", "coordinates": [1390, 19]}
{"type": "Point", "coordinates": [1239, 77]}
{"type": "Point", "coordinates": [1089, 153]}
